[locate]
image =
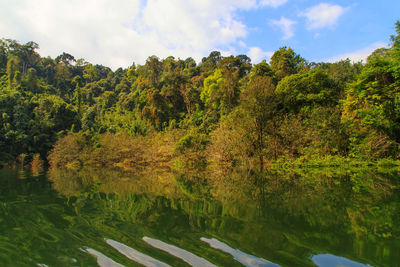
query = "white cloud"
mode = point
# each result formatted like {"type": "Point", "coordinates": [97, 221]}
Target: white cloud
{"type": "Point", "coordinates": [286, 25]}
{"type": "Point", "coordinates": [272, 3]}
{"type": "Point", "coordinates": [359, 55]}
{"type": "Point", "coordinates": [117, 32]}
{"type": "Point", "coordinates": [257, 54]}
{"type": "Point", "coordinates": [197, 25]}
{"type": "Point", "coordinates": [95, 30]}
{"type": "Point", "coordinates": [322, 15]}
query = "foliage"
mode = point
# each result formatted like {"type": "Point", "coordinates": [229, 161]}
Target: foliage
{"type": "Point", "coordinates": [285, 62]}
{"type": "Point", "coordinates": [371, 106]}
{"type": "Point", "coordinates": [303, 91]}
{"type": "Point", "coordinates": [288, 108]}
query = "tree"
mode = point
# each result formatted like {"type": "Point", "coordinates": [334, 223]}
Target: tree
{"type": "Point", "coordinates": [262, 69]}
{"type": "Point", "coordinates": [396, 40]}
{"type": "Point", "coordinates": [65, 58]}
{"type": "Point", "coordinates": [208, 64]}
{"type": "Point", "coordinates": [31, 81]}
{"type": "Point", "coordinates": [233, 69]}
{"type": "Point", "coordinates": [91, 73]}
{"type": "Point", "coordinates": [26, 54]}
{"type": "Point", "coordinates": [3, 57]}
{"type": "Point", "coordinates": [174, 82]}
{"type": "Point", "coordinates": [213, 95]}
{"type": "Point", "coordinates": [156, 110]}
{"type": "Point", "coordinates": [341, 72]}
{"type": "Point", "coordinates": [303, 91]}
{"type": "Point", "coordinates": [259, 102]}
{"type": "Point", "coordinates": [154, 69]}
{"type": "Point", "coordinates": [12, 70]}
{"type": "Point", "coordinates": [285, 62]}
{"type": "Point", "coordinates": [371, 108]}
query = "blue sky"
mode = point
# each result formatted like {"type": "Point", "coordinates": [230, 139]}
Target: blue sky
{"type": "Point", "coordinates": [360, 27]}
{"type": "Point", "coordinates": [117, 33]}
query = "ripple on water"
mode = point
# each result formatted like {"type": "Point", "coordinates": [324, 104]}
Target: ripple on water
{"type": "Point", "coordinates": [135, 255]}
{"type": "Point", "coordinates": [185, 255]}
{"type": "Point", "coordinates": [240, 256]}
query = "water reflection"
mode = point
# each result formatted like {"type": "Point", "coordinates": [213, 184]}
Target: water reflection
{"type": "Point", "coordinates": [187, 256]}
{"type": "Point", "coordinates": [243, 258]}
{"type": "Point", "coordinates": [352, 214]}
{"type": "Point", "coordinates": [327, 260]}
{"type": "Point", "coordinates": [346, 212]}
{"type": "Point", "coordinates": [135, 255]}
{"type": "Point", "coordinates": [22, 174]}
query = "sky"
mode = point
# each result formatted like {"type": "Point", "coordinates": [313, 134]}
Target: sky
{"type": "Point", "coordinates": [118, 33]}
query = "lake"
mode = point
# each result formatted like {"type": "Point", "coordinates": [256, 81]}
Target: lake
{"type": "Point", "coordinates": [312, 217]}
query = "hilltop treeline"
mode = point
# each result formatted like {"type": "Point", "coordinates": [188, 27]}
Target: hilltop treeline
{"type": "Point", "coordinates": [222, 109]}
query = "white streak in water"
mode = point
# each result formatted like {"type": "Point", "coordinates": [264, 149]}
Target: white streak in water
{"type": "Point", "coordinates": [135, 255]}
{"type": "Point", "coordinates": [178, 252]}
{"type": "Point", "coordinates": [102, 260]}
{"type": "Point", "coordinates": [328, 260]}
{"type": "Point", "coordinates": [240, 256]}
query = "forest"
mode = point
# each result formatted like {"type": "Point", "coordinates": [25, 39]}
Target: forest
{"type": "Point", "coordinates": [222, 111]}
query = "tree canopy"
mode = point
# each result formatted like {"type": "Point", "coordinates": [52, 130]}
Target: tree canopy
{"type": "Point", "coordinates": [287, 107]}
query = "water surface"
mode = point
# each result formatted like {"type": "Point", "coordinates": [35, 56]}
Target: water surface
{"type": "Point", "coordinates": [112, 218]}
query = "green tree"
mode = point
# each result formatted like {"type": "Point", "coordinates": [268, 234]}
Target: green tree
{"type": "Point", "coordinates": [65, 58]}
{"type": "Point", "coordinates": [208, 64]}
{"type": "Point", "coordinates": [303, 91]}
{"type": "Point", "coordinates": [213, 95]}
{"type": "Point", "coordinates": [371, 108]}
{"type": "Point", "coordinates": [31, 81]}
{"type": "Point", "coordinates": [259, 102]}
{"type": "Point", "coordinates": [91, 73]}
{"type": "Point", "coordinates": [3, 57]}
{"type": "Point", "coordinates": [12, 70]}
{"type": "Point", "coordinates": [154, 69]}
{"type": "Point", "coordinates": [262, 69]}
{"type": "Point", "coordinates": [285, 62]}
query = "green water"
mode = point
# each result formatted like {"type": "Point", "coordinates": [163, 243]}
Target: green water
{"type": "Point", "coordinates": [110, 218]}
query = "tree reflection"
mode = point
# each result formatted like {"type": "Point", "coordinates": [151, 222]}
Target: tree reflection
{"type": "Point", "coordinates": [285, 217]}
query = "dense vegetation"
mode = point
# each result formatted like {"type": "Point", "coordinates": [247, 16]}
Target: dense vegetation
{"type": "Point", "coordinates": [223, 110]}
